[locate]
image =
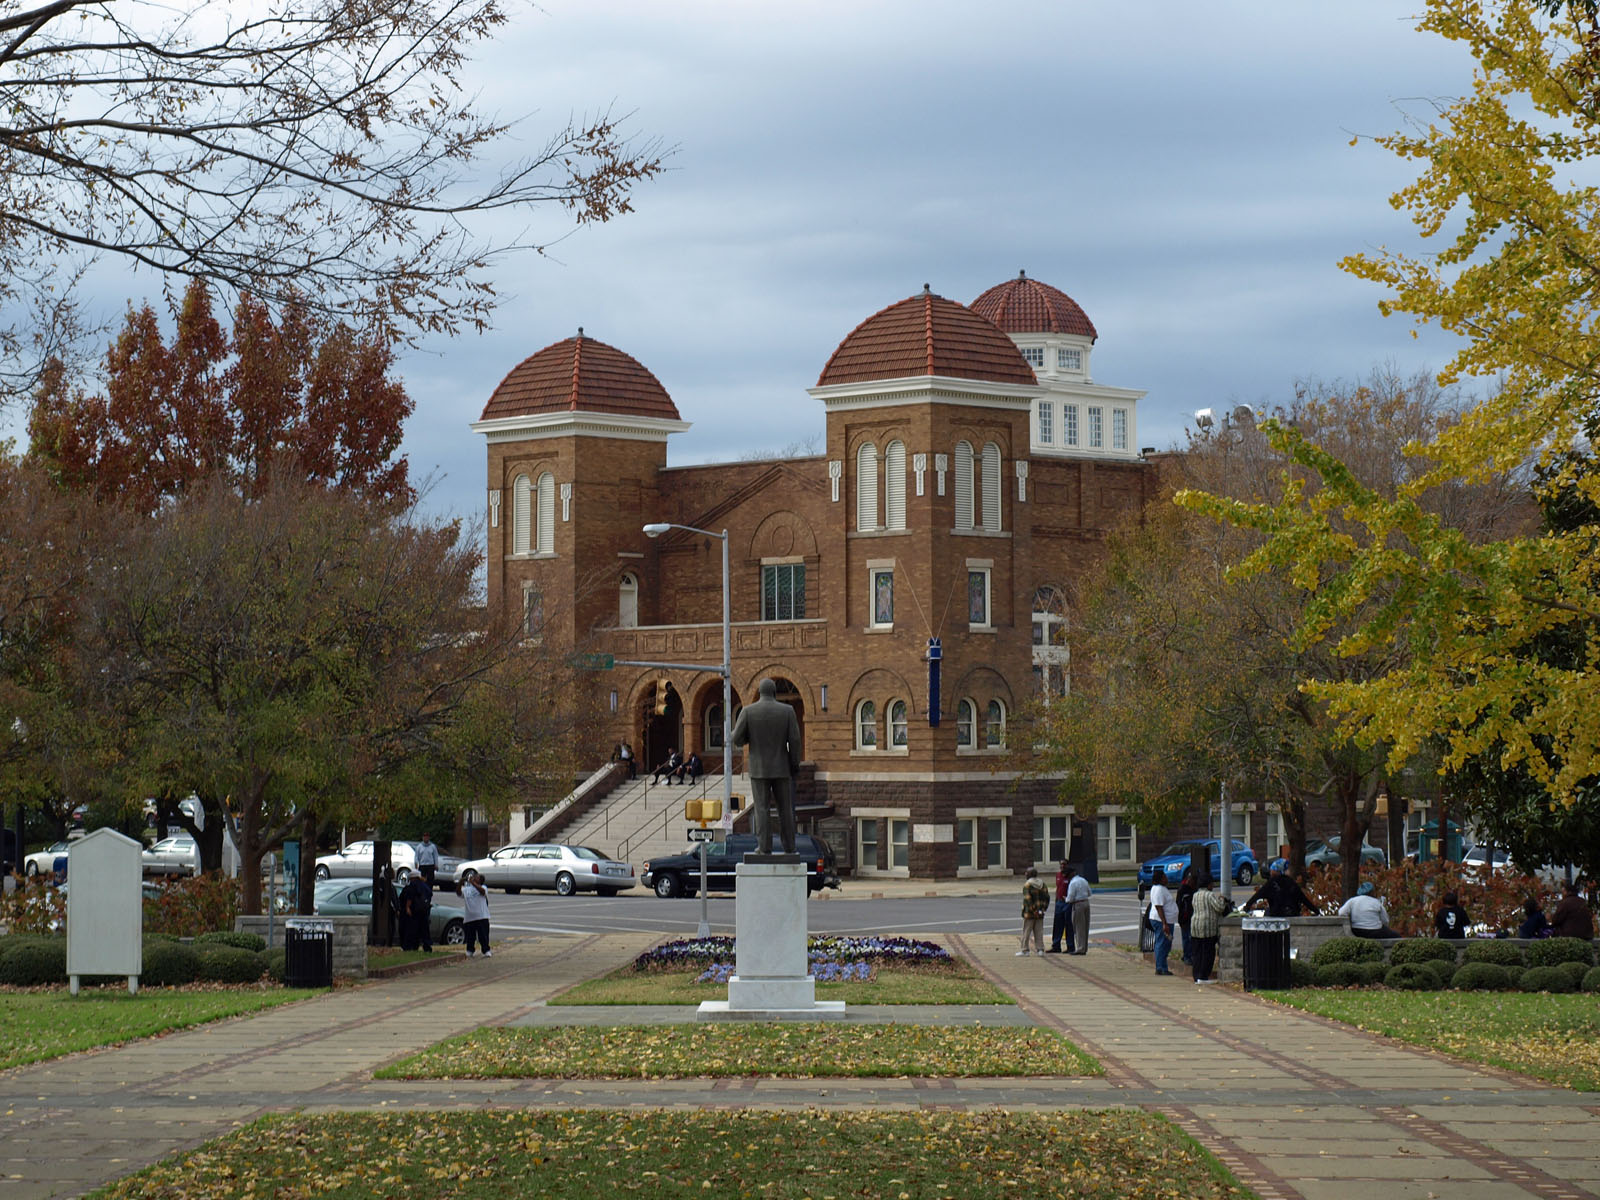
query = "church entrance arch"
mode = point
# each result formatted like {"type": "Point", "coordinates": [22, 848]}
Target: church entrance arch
{"type": "Point", "coordinates": [663, 732]}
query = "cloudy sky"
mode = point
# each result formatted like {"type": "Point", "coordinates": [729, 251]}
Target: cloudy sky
{"type": "Point", "coordinates": [1184, 171]}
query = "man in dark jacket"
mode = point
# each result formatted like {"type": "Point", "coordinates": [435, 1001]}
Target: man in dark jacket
{"type": "Point", "coordinates": [1571, 917]}
{"type": "Point", "coordinates": [416, 912]}
{"type": "Point", "coordinates": [1284, 897]}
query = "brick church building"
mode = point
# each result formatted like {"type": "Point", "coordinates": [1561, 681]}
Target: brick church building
{"type": "Point", "coordinates": [906, 589]}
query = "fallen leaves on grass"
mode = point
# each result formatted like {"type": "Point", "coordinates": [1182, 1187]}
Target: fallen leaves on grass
{"type": "Point", "coordinates": [797, 1051]}
{"type": "Point", "coordinates": [579, 1153]}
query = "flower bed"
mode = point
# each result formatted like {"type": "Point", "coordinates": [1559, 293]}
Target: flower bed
{"type": "Point", "coordinates": [884, 951]}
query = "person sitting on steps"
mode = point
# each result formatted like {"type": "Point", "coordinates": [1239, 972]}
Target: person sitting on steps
{"type": "Point", "coordinates": [690, 770]}
{"type": "Point", "coordinates": [674, 761]}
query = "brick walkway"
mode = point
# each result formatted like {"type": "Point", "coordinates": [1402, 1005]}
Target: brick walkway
{"type": "Point", "coordinates": [1294, 1105]}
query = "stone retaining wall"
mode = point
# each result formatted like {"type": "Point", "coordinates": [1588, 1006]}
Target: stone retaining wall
{"type": "Point", "coordinates": [1305, 935]}
{"type": "Point", "coordinates": [349, 939]}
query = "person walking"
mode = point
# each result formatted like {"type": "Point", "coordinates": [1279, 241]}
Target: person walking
{"type": "Point", "coordinates": [1035, 903]}
{"type": "Point", "coordinates": [1163, 916]}
{"type": "Point", "coordinates": [1206, 928]}
{"type": "Point", "coordinates": [428, 858]}
{"type": "Point", "coordinates": [1078, 901]}
{"type": "Point", "coordinates": [1062, 922]}
{"type": "Point", "coordinates": [475, 899]}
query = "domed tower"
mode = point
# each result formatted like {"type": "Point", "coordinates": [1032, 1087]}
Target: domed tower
{"type": "Point", "coordinates": [1074, 416]}
{"type": "Point", "coordinates": [576, 436]}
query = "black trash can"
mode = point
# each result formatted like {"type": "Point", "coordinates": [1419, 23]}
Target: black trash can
{"type": "Point", "coordinates": [308, 952]}
{"type": "Point", "coordinates": [1266, 953]}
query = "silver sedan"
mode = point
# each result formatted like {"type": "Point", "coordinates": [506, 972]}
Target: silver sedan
{"type": "Point", "coordinates": [567, 869]}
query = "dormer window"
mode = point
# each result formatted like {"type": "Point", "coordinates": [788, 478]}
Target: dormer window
{"type": "Point", "coordinates": [1069, 359]}
{"type": "Point", "coordinates": [1034, 355]}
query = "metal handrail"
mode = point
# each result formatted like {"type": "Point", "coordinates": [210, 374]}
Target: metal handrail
{"type": "Point", "coordinates": [627, 844]}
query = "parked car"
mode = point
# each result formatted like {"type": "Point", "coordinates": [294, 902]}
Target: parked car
{"type": "Point", "coordinates": [679, 874]}
{"type": "Point", "coordinates": [42, 862]}
{"type": "Point", "coordinates": [567, 869]}
{"type": "Point", "coordinates": [342, 898]}
{"type": "Point", "coordinates": [172, 856]}
{"type": "Point", "coordinates": [355, 862]}
{"type": "Point", "coordinates": [1475, 859]}
{"type": "Point", "coordinates": [1326, 853]}
{"type": "Point", "coordinates": [1171, 862]}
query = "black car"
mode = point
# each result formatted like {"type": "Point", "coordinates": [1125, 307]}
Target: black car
{"type": "Point", "coordinates": [679, 874]}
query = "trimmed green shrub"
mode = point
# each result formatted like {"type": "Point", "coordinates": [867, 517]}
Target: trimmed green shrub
{"type": "Point", "coordinates": [1552, 951]}
{"type": "Point", "coordinates": [1444, 972]}
{"type": "Point", "coordinates": [229, 964]}
{"type": "Point", "coordinates": [1591, 981]}
{"type": "Point", "coordinates": [226, 937]}
{"type": "Point", "coordinates": [1574, 971]}
{"type": "Point", "coordinates": [273, 963]}
{"type": "Point", "coordinates": [1546, 979]}
{"type": "Point", "coordinates": [1302, 973]}
{"type": "Point", "coordinates": [35, 962]}
{"type": "Point", "coordinates": [169, 963]}
{"type": "Point", "coordinates": [1341, 974]}
{"type": "Point", "coordinates": [161, 937]}
{"type": "Point", "coordinates": [1482, 977]}
{"type": "Point", "coordinates": [1422, 950]}
{"type": "Point", "coordinates": [1514, 974]}
{"type": "Point", "coordinates": [13, 940]}
{"type": "Point", "coordinates": [1371, 973]}
{"type": "Point", "coordinates": [1347, 950]}
{"type": "Point", "coordinates": [1501, 953]}
{"type": "Point", "coordinates": [1411, 977]}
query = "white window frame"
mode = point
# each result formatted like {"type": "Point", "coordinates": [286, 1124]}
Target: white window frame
{"type": "Point", "coordinates": [866, 487]}
{"type": "Point", "coordinates": [522, 515]}
{"type": "Point", "coordinates": [545, 524]}
{"type": "Point", "coordinates": [994, 858]}
{"type": "Point", "coordinates": [1119, 429]}
{"type": "Point", "coordinates": [966, 843]}
{"type": "Point", "coordinates": [866, 719]}
{"type": "Point", "coordinates": [1047, 422]}
{"type": "Point", "coordinates": [1034, 356]}
{"type": "Point", "coordinates": [1069, 358]}
{"type": "Point", "coordinates": [988, 596]}
{"type": "Point", "coordinates": [1052, 657]}
{"type": "Point", "coordinates": [628, 601]}
{"type": "Point", "coordinates": [995, 706]}
{"type": "Point", "coordinates": [894, 485]}
{"type": "Point", "coordinates": [993, 489]}
{"type": "Point", "coordinates": [966, 725]}
{"type": "Point", "coordinates": [1096, 416]}
{"type": "Point", "coordinates": [900, 844]}
{"type": "Point", "coordinates": [1239, 818]}
{"type": "Point", "coordinates": [864, 864]}
{"type": "Point", "coordinates": [964, 492]}
{"type": "Point", "coordinates": [874, 574]}
{"type": "Point", "coordinates": [899, 725]}
{"type": "Point", "coordinates": [1069, 424]}
{"type": "Point", "coordinates": [1108, 824]}
{"type": "Point", "coordinates": [1276, 832]}
{"type": "Point", "coordinates": [1052, 837]}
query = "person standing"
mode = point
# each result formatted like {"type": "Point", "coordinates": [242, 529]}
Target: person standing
{"type": "Point", "coordinates": [428, 859]}
{"type": "Point", "coordinates": [1187, 886]}
{"type": "Point", "coordinates": [1078, 901]}
{"type": "Point", "coordinates": [475, 898]}
{"type": "Point", "coordinates": [416, 908]}
{"type": "Point", "coordinates": [1163, 916]}
{"type": "Point", "coordinates": [1205, 928]}
{"type": "Point", "coordinates": [1571, 916]}
{"type": "Point", "coordinates": [626, 753]}
{"type": "Point", "coordinates": [1062, 922]}
{"type": "Point", "coordinates": [1035, 903]}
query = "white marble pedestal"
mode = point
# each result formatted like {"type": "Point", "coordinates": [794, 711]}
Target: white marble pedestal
{"type": "Point", "coordinates": [772, 978]}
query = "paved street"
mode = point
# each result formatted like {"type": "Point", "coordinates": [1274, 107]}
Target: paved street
{"type": "Point", "coordinates": [1295, 1105]}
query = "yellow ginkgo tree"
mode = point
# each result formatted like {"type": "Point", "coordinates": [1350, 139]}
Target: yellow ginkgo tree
{"type": "Point", "coordinates": [1507, 199]}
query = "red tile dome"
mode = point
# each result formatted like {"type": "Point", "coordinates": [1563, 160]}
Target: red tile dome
{"type": "Point", "coordinates": [1024, 305]}
{"type": "Point", "coordinates": [926, 335]}
{"type": "Point", "coordinates": [580, 375]}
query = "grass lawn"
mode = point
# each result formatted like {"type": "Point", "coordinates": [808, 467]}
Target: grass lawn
{"type": "Point", "coordinates": [1551, 1037]}
{"type": "Point", "coordinates": [957, 983]}
{"type": "Point", "coordinates": [798, 1051]}
{"type": "Point", "coordinates": [393, 956]}
{"type": "Point", "coordinates": [36, 1025]}
{"type": "Point", "coordinates": [581, 1154]}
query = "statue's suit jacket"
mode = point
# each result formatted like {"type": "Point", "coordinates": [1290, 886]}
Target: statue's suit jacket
{"type": "Point", "coordinates": [772, 732]}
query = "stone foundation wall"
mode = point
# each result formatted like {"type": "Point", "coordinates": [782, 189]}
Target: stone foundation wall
{"type": "Point", "coordinates": [349, 939]}
{"type": "Point", "coordinates": [1305, 935]}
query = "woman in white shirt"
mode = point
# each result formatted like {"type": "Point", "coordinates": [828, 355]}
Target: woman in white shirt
{"type": "Point", "coordinates": [1368, 916]}
{"type": "Point", "coordinates": [1163, 916]}
{"type": "Point", "coordinates": [475, 899]}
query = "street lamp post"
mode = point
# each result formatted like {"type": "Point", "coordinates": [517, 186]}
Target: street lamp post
{"type": "Point", "coordinates": [654, 530]}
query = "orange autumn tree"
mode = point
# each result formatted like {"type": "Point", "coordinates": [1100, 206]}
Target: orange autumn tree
{"type": "Point", "coordinates": [207, 404]}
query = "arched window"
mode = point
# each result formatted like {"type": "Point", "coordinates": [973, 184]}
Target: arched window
{"type": "Point", "coordinates": [991, 487]}
{"type": "Point", "coordinates": [966, 719]}
{"type": "Point", "coordinates": [994, 730]}
{"type": "Point", "coordinates": [521, 515]}
{"type": "Point", "coordinates": [628, 601]}
{"type": "Point", "coordinates": [713, 737]}
{"type": "Point", "coordinates": [898, 710]}
{"type": "Point", "coordinates": [547, 515]}
{"type": "Point", "coordinates": [866, 725]}
{"type": "Point", "coordinates": [866, 488]}
{"type": "Point", "coordinates": [963, 466]}
{"type": "Point", "coordinates": [894, 485]}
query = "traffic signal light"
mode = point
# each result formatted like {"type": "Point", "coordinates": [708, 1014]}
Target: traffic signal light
{"type": "Point", "coordinates": [661, 697]}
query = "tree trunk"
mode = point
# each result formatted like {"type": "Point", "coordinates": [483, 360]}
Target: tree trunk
{"type": "Point", "coordinates": [305, 902]}
{"type": "Point", "coordinates": [250, 852]}
{"type": "Point", "coordinates": [1356, 789]}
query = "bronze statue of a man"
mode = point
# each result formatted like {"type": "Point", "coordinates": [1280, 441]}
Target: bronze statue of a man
{"type": "Point", "coordinates": [772, 732]}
